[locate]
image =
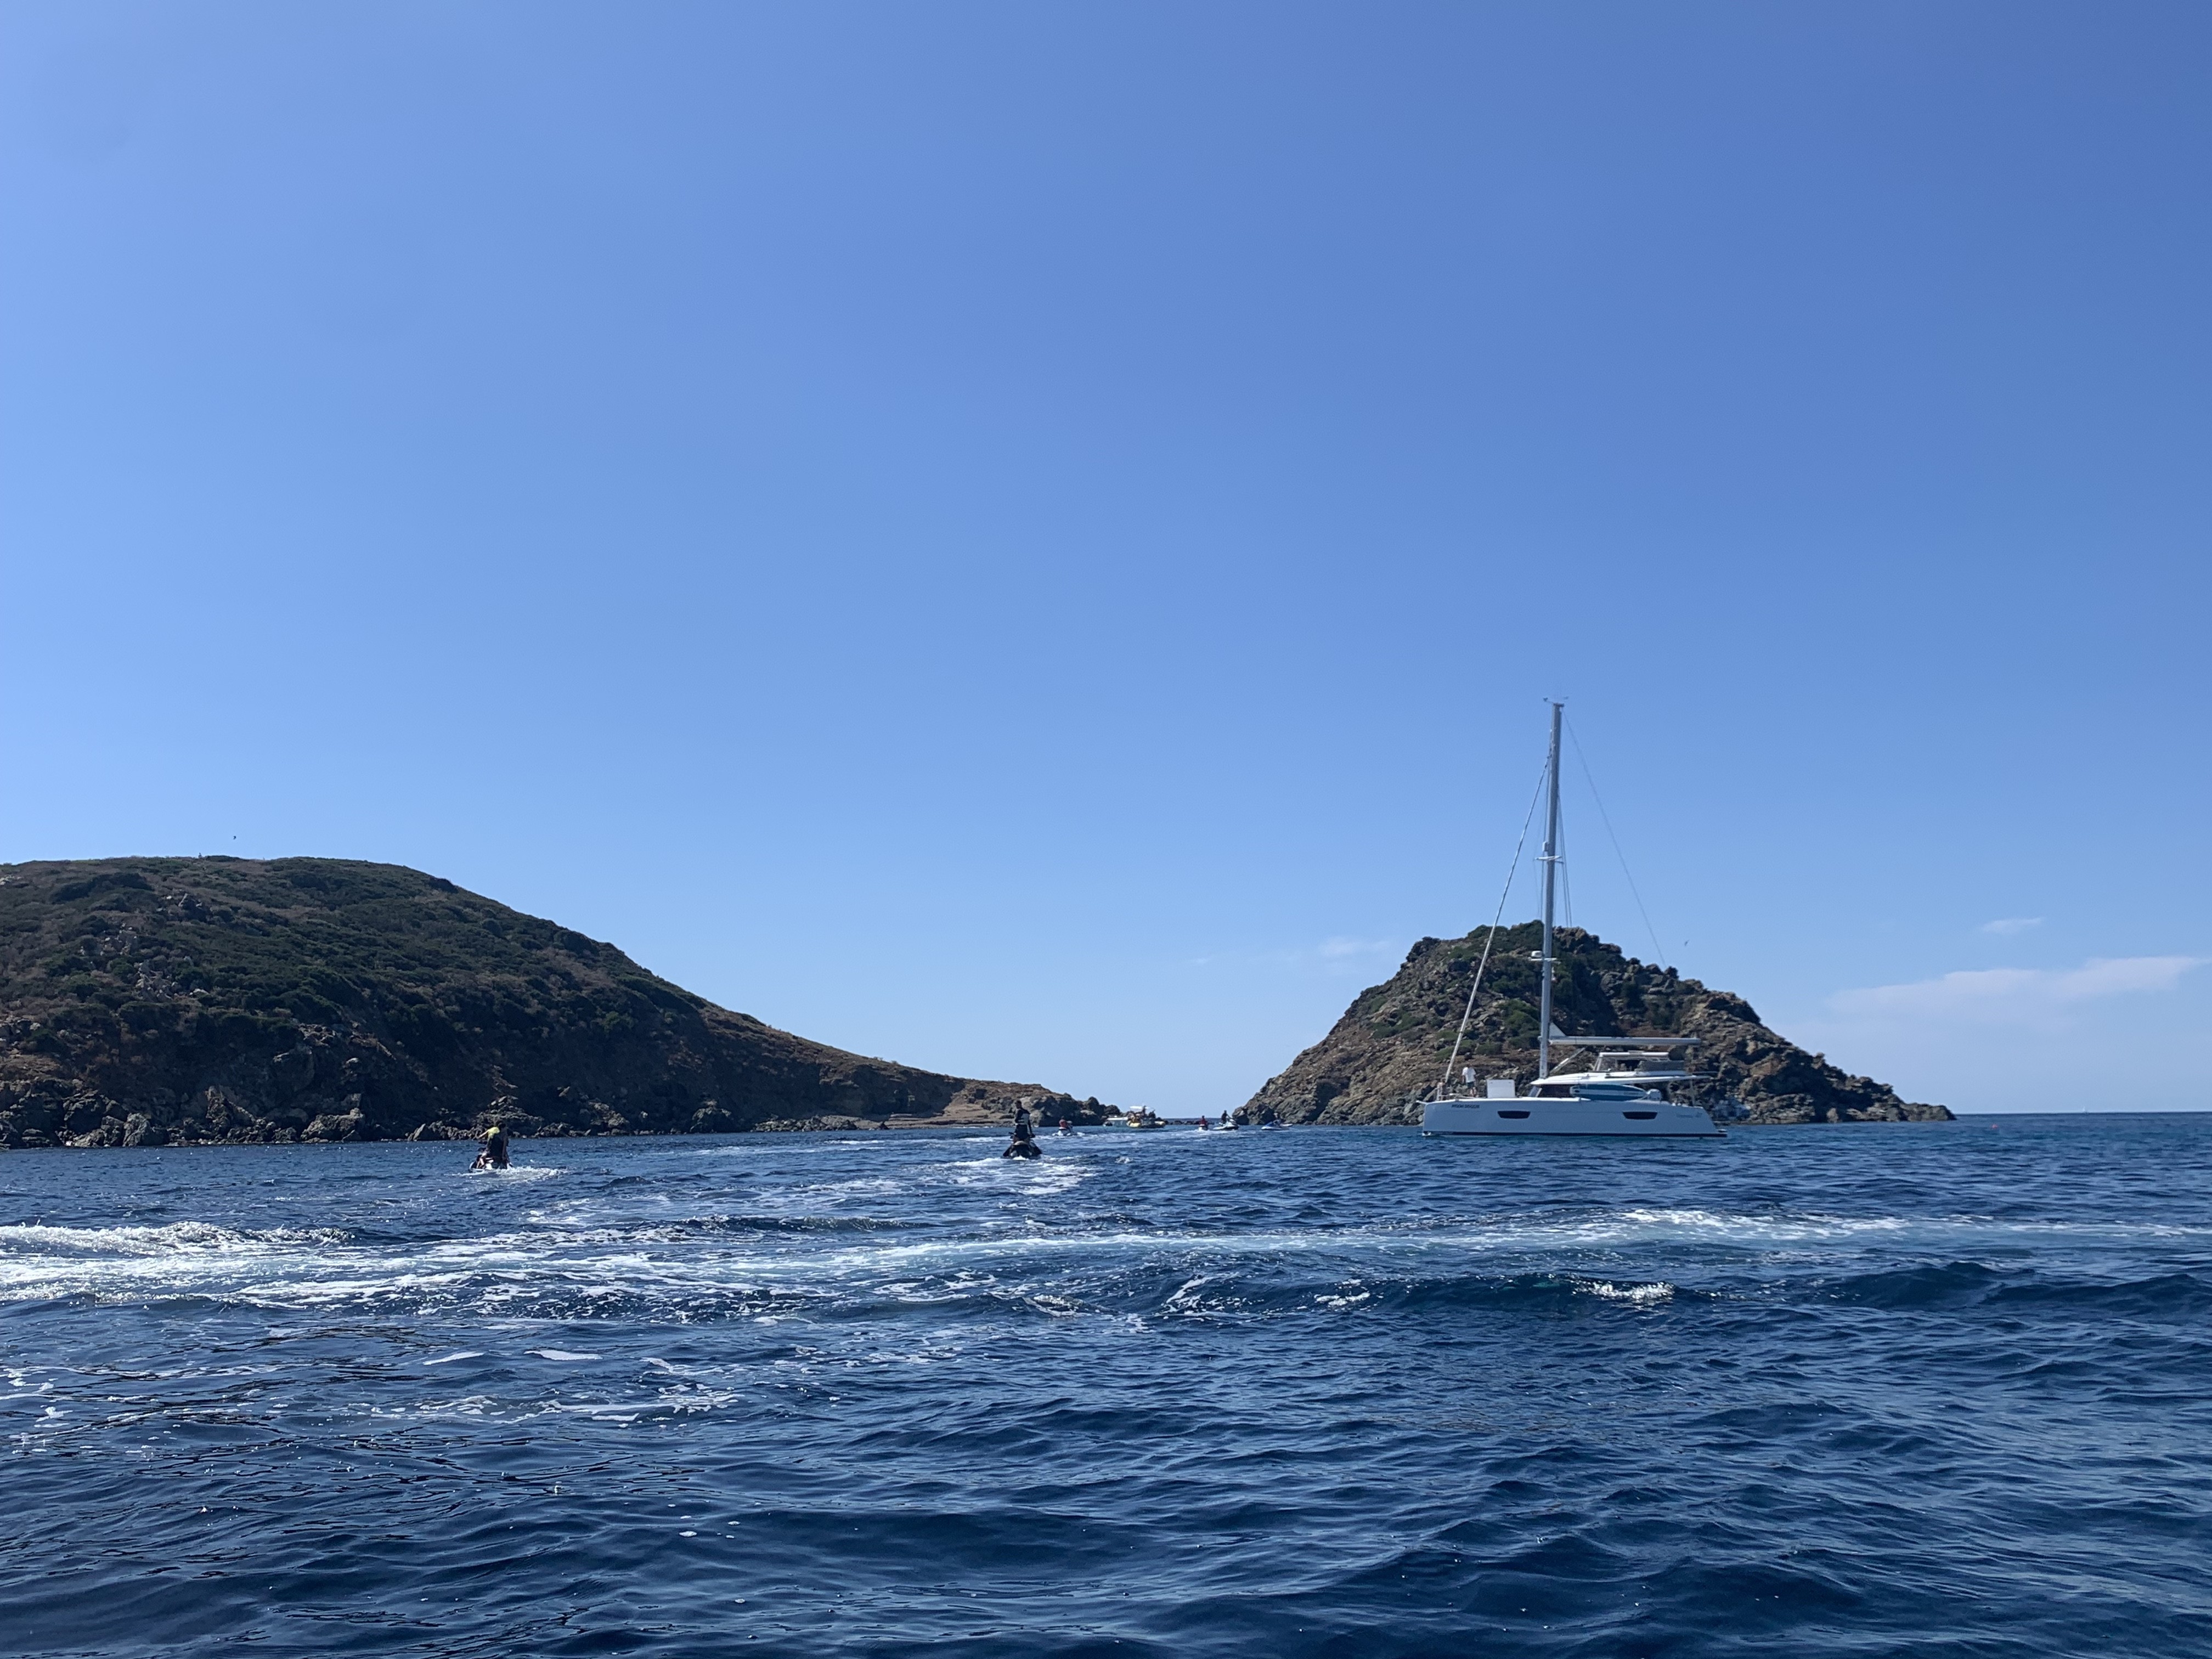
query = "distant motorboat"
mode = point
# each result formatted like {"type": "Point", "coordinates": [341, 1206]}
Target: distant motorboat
{"type": "Point", "coordinates": [1625, 1091]}
{"type": "Point", "coordinates": [1142, 1118]}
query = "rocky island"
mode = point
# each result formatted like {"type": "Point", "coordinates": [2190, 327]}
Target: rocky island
{"type": "Point", "coordinates": [151, 1002]}
{"type": "Point", "coordinates": [1385, 1055]}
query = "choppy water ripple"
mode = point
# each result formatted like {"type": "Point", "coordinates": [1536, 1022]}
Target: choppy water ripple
{"type": "Point", "coordinates": [1929, 1389]}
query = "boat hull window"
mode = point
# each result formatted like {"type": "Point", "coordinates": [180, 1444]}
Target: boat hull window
{"type": "Point", "coordinates": [1639, 1115]}
{"type": "Point", "coordinates": [1513, 1114]}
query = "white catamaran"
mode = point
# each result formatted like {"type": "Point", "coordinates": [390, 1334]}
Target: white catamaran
{"type": "Point", "coordinates": [1623, 1093]}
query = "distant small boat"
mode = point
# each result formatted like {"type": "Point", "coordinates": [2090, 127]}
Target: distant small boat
{"type": "Point", "coordinates": [1142, 1118]}
{"type": "Point", "coordinates": [1624, 1092]}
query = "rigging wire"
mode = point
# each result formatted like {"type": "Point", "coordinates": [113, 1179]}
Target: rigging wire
{"type": "Point", "coordinates": [1566, 876]}
{"type": "Point", "coordinates": [1606, 818]}
{"type": "Point", "coordinates": [1444, 1082]}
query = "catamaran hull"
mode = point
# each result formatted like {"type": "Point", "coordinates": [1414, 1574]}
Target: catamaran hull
{"type": "Point", "coordinates": [1566, 1117]}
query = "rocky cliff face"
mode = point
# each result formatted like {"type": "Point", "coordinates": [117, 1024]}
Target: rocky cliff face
{"type": "Point", "coordinates": [151, 1002]}
{"type": "Point", "coordinates": [1388, 1052]}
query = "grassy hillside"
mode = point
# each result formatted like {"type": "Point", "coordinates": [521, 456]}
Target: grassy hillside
{"type": "Point", "coordinates": [1390, 1048]}
{"type": "Point", "coordinates": [150, 1000]}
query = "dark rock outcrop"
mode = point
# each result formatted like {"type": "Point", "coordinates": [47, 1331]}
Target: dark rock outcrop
{"type": "Point", "coordinates": [150, 1001]}
{"type": "Point", "coordinates": [1389, 1051]}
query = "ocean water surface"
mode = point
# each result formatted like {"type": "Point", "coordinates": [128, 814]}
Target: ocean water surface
{"type": "Point", "coordinates": [1925, 1389]}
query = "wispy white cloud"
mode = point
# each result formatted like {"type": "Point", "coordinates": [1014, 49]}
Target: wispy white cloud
{"type": "Point", "coordinates": [2002, 995]}
{"type": "Point", "coordinates": [2007, 926]}
{"type": "Point", "coordinates": [1334, 948]}
{"type": "Point", "coordinates": [1336, 952]}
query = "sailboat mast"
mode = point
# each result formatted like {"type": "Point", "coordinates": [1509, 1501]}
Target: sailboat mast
{"type": "Point", "coordinates": [1551, 862]}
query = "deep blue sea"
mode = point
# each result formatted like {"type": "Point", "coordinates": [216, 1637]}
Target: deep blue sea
{"type": "Point", "coordinates": [1919, 1390]}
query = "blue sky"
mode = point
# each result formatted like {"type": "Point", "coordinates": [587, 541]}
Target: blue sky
{"type": "Point", "coordinates": [1032, 540]}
